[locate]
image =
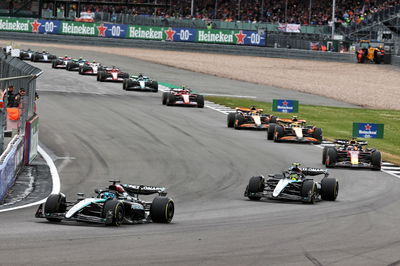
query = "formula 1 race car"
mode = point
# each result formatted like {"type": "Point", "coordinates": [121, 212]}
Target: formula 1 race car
{"type": "Point", "coordinates": [250, 118]}
{"type": "Point", "coordinates": [182, 96]}
{"type": "Point", "coordinates": [294, 130]}
{"type": "Point", "coordinates": [140, 82]}
{"type": "Point", "coordinates": [74, 64]}
{"type": "Point", "coordinates": [44, 57]}
{"type": "Point", "coordinates": [118, 204]}
{"type": "Point", "coordinates": [26, 54]}
{"type": "Point", "coordinates": [351, 153]}
{"type": "Point", "coordinates": [111, 74]}
{"type": "Point", "coordinates": [90, 68]}
{"type": "Point", "coordinates": [293, 184]}
{"type": "Point", "coordinates": [61, 62]}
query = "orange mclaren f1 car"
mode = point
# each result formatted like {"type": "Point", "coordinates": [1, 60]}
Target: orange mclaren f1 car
{"type": "Point", "coordinates": [294, 130]}
{"type": "Point", "coordinates": [252, 117]}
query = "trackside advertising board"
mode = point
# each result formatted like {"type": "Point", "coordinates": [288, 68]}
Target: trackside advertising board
{"type": "Point", "coordinates": [107, 30]}
{"type": "Point", "coordinates": [285, 106]}
{"type": "Point", "coordinates": [368, 130]}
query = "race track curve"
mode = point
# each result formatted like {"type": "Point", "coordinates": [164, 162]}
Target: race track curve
{"type": "Point", "coordinates": [102, 133]}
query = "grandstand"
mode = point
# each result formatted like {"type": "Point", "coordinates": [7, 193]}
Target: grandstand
{"type": "Point", "coordinates": [354, 19]}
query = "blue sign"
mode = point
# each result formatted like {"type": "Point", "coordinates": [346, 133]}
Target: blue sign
{"type": "Point", "coordinates": [181, 34]}
{"type": "Point", "coordinates": [254, 38]}
{"type": "Point", "coordinates": [368, 130]}
{"type": "Point", "coordinates": [285, 106]}
{"type": "Point", "coordinates": [113, 30]}
{"type": "Point", "coordinates": [46, 26]}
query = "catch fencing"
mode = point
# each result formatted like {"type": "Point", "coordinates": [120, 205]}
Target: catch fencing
{"type": "Point", "coordinates": [15, 72]}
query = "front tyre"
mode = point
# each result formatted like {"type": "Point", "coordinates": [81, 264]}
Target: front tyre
{"type": "Point", "coordinates": [55, 203]}
{"type": "Point", "coordinates": [200, 101]}
{"type": "Point", "coordinates": [113, 212]}
{"type": "Point", "coordinates": [231, 120]}
{"type": "Point", "coordinates": [376, 160]}
{"type": "Point", "coordinates": [331, 158]}
{"type": "Point", "coordinates": [308, 191]}
{"type": "Point", "coordinates": [256, 185]}
{"type": "Point", "coordinates": [271, 131]}
{"type": "Point", "coordinates": [329, 189]}
{"type": "Point", "coordinates": [162, 210]}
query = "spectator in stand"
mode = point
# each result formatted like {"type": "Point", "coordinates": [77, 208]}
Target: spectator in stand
{"type": "Point", "coordinates": [10, 96]}
{"type": "Point", "coordinates": [18, 97]}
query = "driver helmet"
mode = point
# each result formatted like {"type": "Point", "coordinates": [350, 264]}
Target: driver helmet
{"type": "Point", "coordinates": [294, 118]}
{"type": "Point", "coordinates": [140, 75]}
{"type": "Point", "coordinates": [253, 108]}
{"type": "Point", "coordinates": [107, 195]}
{"type": "Point", "coordinates": [296, 168]}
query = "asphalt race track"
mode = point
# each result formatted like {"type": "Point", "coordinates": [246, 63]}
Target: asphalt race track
{"type": "Point", "coordinates": [99, 132]}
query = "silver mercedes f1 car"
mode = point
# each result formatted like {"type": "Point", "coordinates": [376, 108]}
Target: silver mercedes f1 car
{"type": "Point", "coordinates": [118, 204]}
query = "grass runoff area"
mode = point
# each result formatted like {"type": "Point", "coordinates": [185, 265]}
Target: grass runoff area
{"type": "Point", "coordinates": [337, 122]}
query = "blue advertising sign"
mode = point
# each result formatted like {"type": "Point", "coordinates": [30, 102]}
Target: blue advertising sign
{"type": "Point", "coordinates": [285, 106]}
{"type": "Point", "coordinates": [113, 30]}
{"type": "Point", "coordinates": [368, 130]}
{"type": "Point", "coordinates": [180, 35]}
{"type": "Point", "coordinates": [254, 38]}
{"type": "Point", "coordinates": [46, 26]}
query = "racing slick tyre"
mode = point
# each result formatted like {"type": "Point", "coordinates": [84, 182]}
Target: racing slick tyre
{"type": "Point", "coordinates": [164, 98]}
{"type": "Point", "coordinates": [256, 185]}
{"type": "Point", "coordinates": [33, 58]}
{"type": "Point", "coordinates": [80, 71]}
{"type": "Point", "coordinates": [271, 131]}
{"type": "Point", "coordinates": [125, 75]}
{"type": "Point", "coordinates": [376, 160]}
{"type": "Point", "coordinates": [231, 120]}
{"type": "Point", "coordinates": [162, 210]}
{"type": "Point", "coordinates": [331, 158]}
{"type": "Point", "coordinates": [308, 191]}
{"type": "Point", "coordinates": [317, 134]}
{"type": "Point", "coordinates": [154, 86]}
{"type": "Point", "coordinates": [125, 84]}
{"type": "Point", "coordinates": [101, 76]}
{"type": "Point", "coordinates": [239, 120]}
{"type": "Point", "coordinates": [68, 67]}
{"type": "Point", "coordinates": [279, 131]}
{"type": "Point", "coordinates": [200, 101]}
{"type": "Point", "coordinates": [273, 119]}
{"type": "Point", "coordinates": [113, 212]}
{"type": "Point", "coordinates": [171, 99]}
{"type": "Point", "coordinates": [324, 154]}
{"type": "Point", "coordinates": [54, 64]}
{"type": "Point", "coordinates": [329, 189]}
{"type": "Point", "coordinates": [55, 203]}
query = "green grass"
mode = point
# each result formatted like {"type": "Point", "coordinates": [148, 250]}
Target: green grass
{"type": "Point", "coordinates": [337, 122]}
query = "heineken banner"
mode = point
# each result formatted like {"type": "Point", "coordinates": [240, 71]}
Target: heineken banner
{"type": "Point", "coordinates": [107, 30]}
{"type": "Point", "coordinates": [368, 130]}
{"type": "Point", "coordinates": [285, 106]}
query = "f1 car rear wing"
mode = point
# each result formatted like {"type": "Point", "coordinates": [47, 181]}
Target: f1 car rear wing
{"type": "Point", "coordinates": [144, 190]}
{"type": "Point", "coordinates": [348, 142]}
{"type": "Point", "coordinates": [314, 171]}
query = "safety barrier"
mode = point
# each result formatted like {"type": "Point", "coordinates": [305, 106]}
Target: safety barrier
{"type": "Point", "coordinates": [21, 75]}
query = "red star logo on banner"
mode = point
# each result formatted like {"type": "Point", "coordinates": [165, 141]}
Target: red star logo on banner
{"type": "Point", "coordinates": [240, 37]}
{"type": "Point", "coordinates": [35, 26]}
{"type": "Point", "coordinates": [368, 127]}
{"type": "Point", "coordinates": [102, 30]}
{"type": "Point", "coordinates": [170, 34]}
{"type": "Point", "coordinates": [285, 103]}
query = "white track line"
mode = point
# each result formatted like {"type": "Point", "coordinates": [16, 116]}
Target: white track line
{"type": "Point", "coordinates": [54, 176]}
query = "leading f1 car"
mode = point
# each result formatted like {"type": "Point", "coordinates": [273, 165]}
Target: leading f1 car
{"type": "Point", "coordinates": [351, 153]}
{"type": "Point", "coordinates": [294, 184]}
{"type": "Point", "coordinates": [118, 204]}
{"type": "Point", "coordinates": [252, 118]}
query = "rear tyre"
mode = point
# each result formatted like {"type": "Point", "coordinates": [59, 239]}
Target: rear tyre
{"type": "Point", "coordinates": [101, 76]}
{"type": "Point", "coordinates": [239, 120]}
{"type": "Point", "coordinates": [317, 134]}
{"type": "Point", "coordinates": [231, 120]}
{"type": "Point", "coordinates": [55, 203]}
{"type": "Point", "coordinates": [324, 154]}
{"type": "Point", "coordinates": [113, 212]}
{"type": "Point", "coordinates": [200, 101]}
{"type": "Point", "coordinates": [308, 191]}
{"type": "Point", "coordinates": [256, 185]}
{"type": "Point", "coordinates": [331, 158]}
{"type": "Point", "coordinates": [376, 160]}
{"type": "Point", "coordinates": [273, 119]}
{"type": "Point", "coordinates": [164, 98]}
{"type": "Point", "coordinates": [154, 86]}
{"type": "Point", "coordinates": [271, 131]}
{"type": "Point", "coordinates": [54, 64]}
{"type": "Point", "coordinates": [162, 210]}
{"type": "Point", "coordinates": [329, 189]}
{"type": "Point", "coordinates": [125, 84]}
{"type": "Point", "coordinates": [279, 131]}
